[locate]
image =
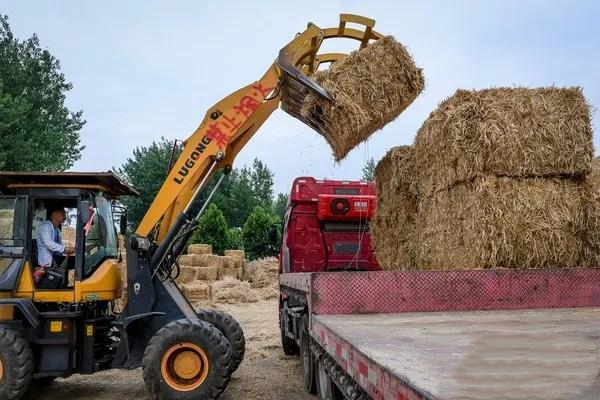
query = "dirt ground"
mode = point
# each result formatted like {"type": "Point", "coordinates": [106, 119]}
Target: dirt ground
{"type": "Point", "coordinates": [265, 374]}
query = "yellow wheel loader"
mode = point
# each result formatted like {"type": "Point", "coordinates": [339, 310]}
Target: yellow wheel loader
{"type": "Point", "coordinates": [57, 314]}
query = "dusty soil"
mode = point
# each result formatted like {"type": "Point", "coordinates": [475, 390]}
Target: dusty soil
{"type": "Point", "coordinates": [265, 374]}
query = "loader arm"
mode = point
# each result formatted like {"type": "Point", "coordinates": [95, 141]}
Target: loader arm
{"type": "Point", "coordinates": [231, 123]}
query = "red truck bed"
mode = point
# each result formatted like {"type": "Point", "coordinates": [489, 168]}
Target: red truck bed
{"type": "Point", "coordinates": [494, 334]}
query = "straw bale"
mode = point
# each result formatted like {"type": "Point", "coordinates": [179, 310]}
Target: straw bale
{"type": "Point", "coordinates": [7, 214]}
{"type": "Point", "coordinates": [208, 274]}
{"type": "Point", "coordinates": [230, 290]}
{"type": "Point", "coordinates": [210, 260]}
{"type": "Point", "coordinates": [514, 132]}
{"type": "Point", "coordinates": [239, 273]}
{"type": "Point", "coordinates": [592, 238]}
{"type": "Point", "coordinates": [371, 87]}
{"type": "Point", "coordinates": [392, 228]}
{"type": "Point", "coordinates": [189, 260]}
{"type": "Point", "coordinates": [196, 291]}
{"type": "Point", "coordinates": [499, 222]}
{"type": "Point", "coordinates": [263, 272]}
{"type": "Point", "coordinates": [187, 274]}
{"type": "Point", "coordinates": [228, 262]}
{"type": "Point", "coordinates": [235, 253]}
{"type": "Point", "coordinates": [227, 272]}
{"type": "Point", "coordinates": [199, 249]}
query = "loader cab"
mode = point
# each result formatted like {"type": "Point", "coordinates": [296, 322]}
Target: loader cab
{"type": "Point", "coordinates": [88, 199]}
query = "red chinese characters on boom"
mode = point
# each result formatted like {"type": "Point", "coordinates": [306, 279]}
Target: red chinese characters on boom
{"type": "Point", "coordinates": [216, 134]}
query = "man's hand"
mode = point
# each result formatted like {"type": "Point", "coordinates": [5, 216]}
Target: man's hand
{"type": "Point", "coordinates": [69, 250]}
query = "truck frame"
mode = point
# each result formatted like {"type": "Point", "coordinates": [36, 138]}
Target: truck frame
{"type": "Point", "coordinates": [479, 334]}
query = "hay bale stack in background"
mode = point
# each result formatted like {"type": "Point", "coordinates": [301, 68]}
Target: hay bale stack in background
{"type": "Point", "coordinates": [199, 249]}
{"type": "Point", "coordinates": [207, 274]}
{"type": "Point", "coordinates": [516, 132]}
{"type": "Point", "coordinates": [392, 229]}
{"type": "Point", "coordinates": [263, 272]}
{"type": "Point", "coordinates": [499, 182]}
{"type": "Point", "coordinates": [196, 292]}
{"type": "Point", "coordinates": [227, 272]}
{"type": "Point", "coordinates": [371, 87]}
{"type": "Point", "coordinates": [187, 274]}
{"type": "Point", "coordinates": [239, 257]}
{"type": "Point", "coordinates": [592, 216]}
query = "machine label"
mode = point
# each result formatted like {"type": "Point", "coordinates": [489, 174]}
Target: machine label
{"type": "Point", "coordinates": [89, 330]}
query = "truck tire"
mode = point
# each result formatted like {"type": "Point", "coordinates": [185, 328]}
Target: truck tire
{"type": "Point", "coordinates": [232, 331]}
{"type": "Point", "coordinates": [326, 388]}
{"type": "Point", "coordinates": [187, 361]}
{"type": "Point", "coordinates": [307, 362]}
{"type": "Point", "coordinates": [290, 348]}
{"type": "Point", "coordinates": [16, 364]}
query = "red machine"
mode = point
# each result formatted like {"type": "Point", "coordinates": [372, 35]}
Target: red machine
{"type": "Point", "coordinates": [326, 227]}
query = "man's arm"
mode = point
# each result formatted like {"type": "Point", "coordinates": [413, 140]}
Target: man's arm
{"type": "Point", "coordinates": [47, 238]}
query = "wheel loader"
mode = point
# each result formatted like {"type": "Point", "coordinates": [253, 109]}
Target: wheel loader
{"type": "Point", "coordinates": [66, 322]}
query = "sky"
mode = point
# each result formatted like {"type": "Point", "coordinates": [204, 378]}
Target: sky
{"type": "Point", "coordinates": [142, 70]}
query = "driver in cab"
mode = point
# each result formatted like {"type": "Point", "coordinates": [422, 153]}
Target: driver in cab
{"type": "Point", "coordinates": [50, 249]}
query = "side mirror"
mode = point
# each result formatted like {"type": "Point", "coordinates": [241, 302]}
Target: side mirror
{"type": "Point", "coordinates": [123, 224]}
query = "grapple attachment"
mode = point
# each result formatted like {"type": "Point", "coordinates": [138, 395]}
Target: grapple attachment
{"type": "Point", "coordinates": [300, 59]}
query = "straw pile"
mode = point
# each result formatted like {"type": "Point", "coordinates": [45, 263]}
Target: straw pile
{"type": "Point", "coordinates": [199, 249]}
{"type": "Point", "coordinates": [499, 178]}
{"type": "Point", "coordinates": [592, 216]}
{"type": "Point", "coordinates": [238, 257]}
{"type": "Point", "coordinates": [263, 272]}
{"type": "Point", "coordinates": [396, 209]}
{"type": "Point", "coordinates": [371, 87]}
{"type": "Point", "coordinates": [231, 290]}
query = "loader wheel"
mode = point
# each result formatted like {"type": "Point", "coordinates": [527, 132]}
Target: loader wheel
{"type": "Point", "coordinates": [16, 364]}
{"type": "Point", "coordinates": [232, 331]}
{"type": "Point", "coordinates": [187, 361]}
{"type": "Point", "coordinates": [306, 358]}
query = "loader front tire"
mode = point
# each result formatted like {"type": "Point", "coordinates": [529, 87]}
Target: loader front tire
{"type": "Point", "coordinates": [187, 361]}
{"type": "Point", "coordinates": [16, 364]}
{"type": "Point", "coordinates": [232, 331]}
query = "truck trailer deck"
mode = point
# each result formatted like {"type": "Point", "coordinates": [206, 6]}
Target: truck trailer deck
{"type": "Point", "coordinates": [487, 334]}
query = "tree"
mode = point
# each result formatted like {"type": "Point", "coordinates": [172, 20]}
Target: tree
{"type": "Point", "coordinates": [146, 171]}
{"type": "Point", "coordinates": [255, 233]}
{"type": "Point", "coordinates": [212, 229]}
{"type": "Point", "coordinates": [234, 239]}
{"type": "Point", "coordinates": [262, 183]}
{"type": "Point", "coordinates": [37, 130]}
{"type": "Point", "coordinates": [368, 171]}
{"type": "Point", "coordinates": [280, 205]}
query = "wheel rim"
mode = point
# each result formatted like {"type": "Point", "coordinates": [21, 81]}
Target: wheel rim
{"type": "Point", "coordinates": [185, 366]}
{"type": "Point", "coordinates": [1, 369]}
{"type": "Point", "coordinates": [305, 356]}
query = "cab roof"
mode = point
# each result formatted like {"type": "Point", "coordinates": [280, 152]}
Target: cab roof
{"type": "Point", "coordinates": [107, 182]}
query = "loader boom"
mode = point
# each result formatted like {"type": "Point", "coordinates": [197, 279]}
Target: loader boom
{"type": "Point", "coordinates": [231, 123]}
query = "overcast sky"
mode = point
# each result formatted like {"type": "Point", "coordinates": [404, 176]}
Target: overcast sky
{"type": "Point", "coordinates": [146, 69]}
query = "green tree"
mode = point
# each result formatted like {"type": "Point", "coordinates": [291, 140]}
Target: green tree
{"type": "Point", "coordinates": [262, 183]}
{"type": "Point", "coordinates": [146, 170]}
{"type": "Point", "coordinates": [234, 239]}
{"type": "Point", "coordinates": [255, 233]}
{"type": "Point", "coordinates": [37, 130]}
{"type": "Point", "coordinates": [368, 171]}
{"type": "Point", "coordinates": [279, 206]}
{"type": "Point", "coordinates": [212, 229]}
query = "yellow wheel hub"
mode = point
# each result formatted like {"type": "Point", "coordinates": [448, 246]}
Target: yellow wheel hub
{"type": "Point", "coordinates": [184, 366]}
{"type": "Point", "coordinates": [1, 370]}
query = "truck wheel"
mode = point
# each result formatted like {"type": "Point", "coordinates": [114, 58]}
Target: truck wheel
{"type": "Point", "coordinates": [290, 348]}
{"type": "Point", "coordinates": [16, 364]}
{"type": "Point", "coordinates": [187, 361]}
{"type": "Point", "coordinates": [306, 358]}
{"type": "Point", "coordinates": [232, 331]}
{"type": "Point", "coordinates": [326, 388]}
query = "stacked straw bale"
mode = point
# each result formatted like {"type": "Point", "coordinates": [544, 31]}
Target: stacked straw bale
{"type": "Point", "coordinates": [396, 209]}
{"type": "Point", "coordinates": [500, 180]}
{"type": "Point", "coordinates": [371, 87]}
{"type": "Point", "coordinates": [199, 248]}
